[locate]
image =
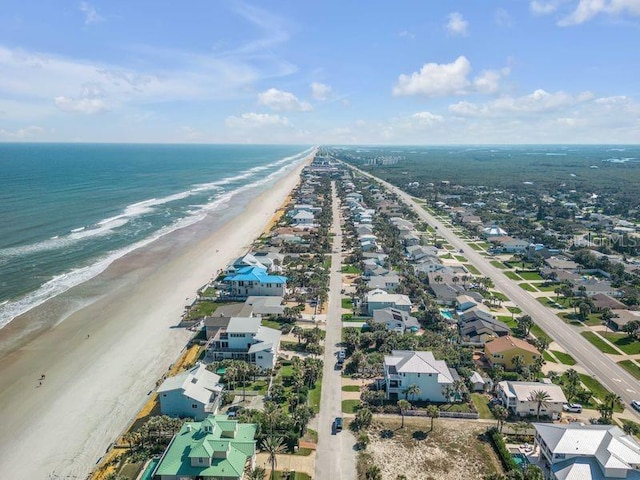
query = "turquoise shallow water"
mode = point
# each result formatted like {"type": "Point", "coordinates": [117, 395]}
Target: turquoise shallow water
{"type": "Point", "coordinates": [67, 210]}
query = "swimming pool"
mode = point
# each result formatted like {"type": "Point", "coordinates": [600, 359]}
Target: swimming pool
{"type": "Point", "coordinates": [521, 460]}
{"type": "Point", "coordinates": [150, 468]}
{"type": "Point", "coordinates": [446, 314]}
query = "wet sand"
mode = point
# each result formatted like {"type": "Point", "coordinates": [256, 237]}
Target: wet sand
{"type": "Point", "coordinates": [103, 344]}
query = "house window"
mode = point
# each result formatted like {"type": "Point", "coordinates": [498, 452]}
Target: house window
{"type": "Point", "coordinates": [259, 357]}
{"type": "Point", "coordinates": [164, 394]}
{"type": "Point", "coordinates": [194, 405]}
{"type": "Point", "coordinates": [241, 284]}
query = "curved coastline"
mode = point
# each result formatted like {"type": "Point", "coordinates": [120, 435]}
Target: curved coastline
{"type": "Point", "coordinates": [115, 341]}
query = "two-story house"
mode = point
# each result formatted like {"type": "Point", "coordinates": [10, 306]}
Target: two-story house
{"type": "Point", "coordinates": [586, 452]}
{"type": "Point", "coordinates": [517, 398]}
{"type": "Point", "coordinates": [254, 281]}
{"type": "Point", "coordinates": [377, 299]}
{"type": "Point", "coordinates": [503, 350]}
{"type": "Point", "coordinates": [396, 320]}
{"type": "Point", "coordinates": [216, 447]}
{"type": "Point", "coordinates": [194, 393]}
{"type": "Point", "coordinates": [404, 368]}
{"type": "Point", "coordinates": [244, 338]}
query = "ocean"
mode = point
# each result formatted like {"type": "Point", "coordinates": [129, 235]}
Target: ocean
{"type": "Point", "coordinates": [67, 211]}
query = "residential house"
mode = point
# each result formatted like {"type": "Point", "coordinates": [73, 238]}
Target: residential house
{"type": "Point", "coordinates": [254, 281]}
{"type": "Point", "coordinates": [377, 299]}
{"type": "Point", "coordinates": [511, 245]}
{"type": "Point", "coordinates": [480, 331]}
{"type": "Point", "coordinates": [410, 239]}
{"type": "Point", "coordinates": [364, 230]}
{"type": "Point", "coordinates": [372, 269]}
{"type": "Point", "coordinates": [215, 448]}
{"type": "Point", "coordinates": [515, 396]}
{"type": "Point", "coordinates": [417, 252]}
{"type": "Point", "coordinates": [586, 452]}
{"type": "Point", "coordinates": [396, 320]}
{"type": "Point", "coordinates": [594, 286]}
{"type": "Point", "coordinates": [194, 393]}
{"type": "Point", "coordinates": [445, 293]}
{"type": "Point", "coordinates": [245, 338]}
{"type": "Point", "coordinates": [303, 219]}
{"type": "Point", "coordinates": [502, 350]}
{"type": "Point", "coordinates": [493, 231]}
{"type": "Point", "coordinates": [602, 302]}
{"type": "Point", "coordinates": [387, 282]}
{"type": "Point", "coordinates": [404, 368]}
{"type": "Point", "coordinates": [623, 317]}
{"type": "Point", "coordinates": [465, 302]}
{"type": "Point", "coordinates": [478, 383]}
{"type": "Point", "coordinates": [479, 312]}
{"type": "Point", "coordinates": [561, 263]}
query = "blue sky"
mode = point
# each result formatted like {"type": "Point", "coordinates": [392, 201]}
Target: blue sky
{"type": "Point", "coordinates": [347, 72]}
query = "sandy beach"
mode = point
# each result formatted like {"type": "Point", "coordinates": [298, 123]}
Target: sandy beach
{"type": "Point", "coordinates": [103, 359]}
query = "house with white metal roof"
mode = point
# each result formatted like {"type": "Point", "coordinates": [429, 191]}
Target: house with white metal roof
{"type": "Point", "coordinates": [515, 397]}
{"type": "Point", "coordinates": [586, 452]}
{"type": "Point", "coordinates": [194, 393]}
{"type": "Point", "coordinates": [404, 368]}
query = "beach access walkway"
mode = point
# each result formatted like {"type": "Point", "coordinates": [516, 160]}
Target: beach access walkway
{"type": "Point", "coordinates": [335, 455]}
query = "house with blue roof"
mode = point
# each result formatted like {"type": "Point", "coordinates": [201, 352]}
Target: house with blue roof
{"type": "Point", "coordinates": [254, 281]}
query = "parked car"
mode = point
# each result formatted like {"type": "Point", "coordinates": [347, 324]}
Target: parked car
{"type": "Point", "coordinates": [636, 404]}
{"type": "Point", "coordinates": [338, 424]}
{"type": "Point", "coordinates": [572, 407]}
{"type": "Point", "coordinates": [341, 355]}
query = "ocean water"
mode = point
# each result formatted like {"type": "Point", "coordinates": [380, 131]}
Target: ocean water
{"type": "Point", "coordinates": [68, 210]}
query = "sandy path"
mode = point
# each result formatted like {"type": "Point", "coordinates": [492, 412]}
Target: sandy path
{"type": "Point", "coordinates": [102, 361]}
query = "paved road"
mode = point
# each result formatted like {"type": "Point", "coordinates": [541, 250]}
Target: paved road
{"type": "Point", "coordinates": [335, 453]}
{"type": "Point", "coordinates": [593, 360]}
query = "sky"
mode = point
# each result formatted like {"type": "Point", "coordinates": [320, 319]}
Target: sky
{"type": "Point", "coordinates": [330, 72]}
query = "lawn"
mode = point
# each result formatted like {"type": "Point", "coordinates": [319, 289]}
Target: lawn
{"type": "Point", "coordinates": [270, 323]}
{"type": "Point", "coordinates": [314, 396]}
{"type": "Point", "coordinates": [515, 310]}
{"type": "Point", "coordinates": [591, 320]}
{"type": "Point", "coordinates": [598, 390]}
{"type": "Point", "coordinates": [348, 406]}
{"type": "Point", "coordinates": [548, 357]}
{"type": "Point", "coordinates": [348, 317]}
{"type": "Point", "coordinates": [278, 475]}
{"type": "Point", "coordinates": [460, 258]}
{"type": "Point", "coordinates": [599, 343]}
{"type": "Point", "coordinates": [351, 388]}
{"type": "Point", "coordinates": [631, 367]}
{"type": "Point", "coordinates": [472, 269]}
{"type": "Point", "coordinates": [528, 287]}
{"type": "Point", "coordinates": [512, 275]}
{"type": "Point", "coordinates": [530, 275]}
{"type": "Point", "coordinates": [351, 269]}
{"type": "Point", "coordinates": [482, 405]}
{"type": "Point", "coordinates": [205, 308]}
{"type": "Point", "coordinates": [498, 264]}
{"type": "Point", "coordinates": [347, 303]}
{"type": "Point", "coordinates": [499, 295]}
{"type": "Point", "coordinates": [625, 343]}
{"type": "Point", "coordinates": [508, 321]}
{"type": "Point", "coordinates": [475, 246]}
{"type": "Point", "coordinates": [539, 333]}
{"type": "Point", "coordinates": [564, 358]}
{"type": "Point", "coordinates": [546, 288]}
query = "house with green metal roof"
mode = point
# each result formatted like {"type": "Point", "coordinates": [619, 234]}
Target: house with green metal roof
{"type": "Point", "coordinates": [216, 448]}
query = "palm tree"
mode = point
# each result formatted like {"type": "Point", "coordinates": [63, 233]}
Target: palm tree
{"type": "Point", "coordinates": [540, 398]}
{"type": "Point", "coordinates": [297, 332]}
{"type": "Point", "coordinates": [501, 414]}
{"type": "Point", "coordinates": [433, 413]}
{"type": "Point", "coordinates": [518, 362]}
{"type": "Point", "coordinates": [412, 390]}
{"type": "Point", "coordinates": [403, 405]}
{"type": "Point", "coordinates": [257, 473]}
{"type": "Point", "coordinates": [272, 444]}
{"type": "Point", "coordinates": [525, 322]}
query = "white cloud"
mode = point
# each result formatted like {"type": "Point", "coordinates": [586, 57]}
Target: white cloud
{"type": "Point", "coordinates": [544, 7]}
{"type": "Point", "coordinates": [436, 80]}
{"type": "Point", "coordinates": [23, 133]}
{"type": "Point", "coordinates": [256, 120]}
{"type": "Point", "coordinates": [503, 18]}
{"type": "Point", "coordinates": [279, 100]}
{"type": "Point", "coordinates": [457, 25]}
{"type": "Point", "coordinates": [427, 118]}
{"type": "Point", "coordinates": [537, 102]}
{"type": "Point", "coordinates": [320, 91]}
{"type": "Point", "coordinates": [86, 105]}
{"type": "Point", "coordinates": [90, 14]}
{"type": "Point", "coordinates": [588, 9]}
{"type": "Point", "coordinates": [406, 34]}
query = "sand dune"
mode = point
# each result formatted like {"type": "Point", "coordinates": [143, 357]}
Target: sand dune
{"type": "Point", "coordinates": [103, 359]}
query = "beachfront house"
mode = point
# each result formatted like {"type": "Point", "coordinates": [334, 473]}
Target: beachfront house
{"type": "Point", "coordinates": [404, 368]}
{"type": "Point", "coordinates": [585, 452]}
{"type": "Point", "coordinates": [254, 281]}
{"type": "Point", "coordinates": [244, 338]}
{"type": "Point", "coordinates": [502, 351]}
{"type": "Point", "coordinates": [515, 397]}
{"type": "Point", "coordinates": [215, 448]}
{"type": "Point", "coordinates": [194, 394]}
{"type": "Point", "coordinates": [378, 299]}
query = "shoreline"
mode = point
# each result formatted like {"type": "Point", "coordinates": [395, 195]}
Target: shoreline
{"type": "Point", "coordinates": [105, 355]}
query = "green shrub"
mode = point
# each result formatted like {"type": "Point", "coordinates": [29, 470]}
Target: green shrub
{"type": "Point", "coordinates": [504, 454]}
